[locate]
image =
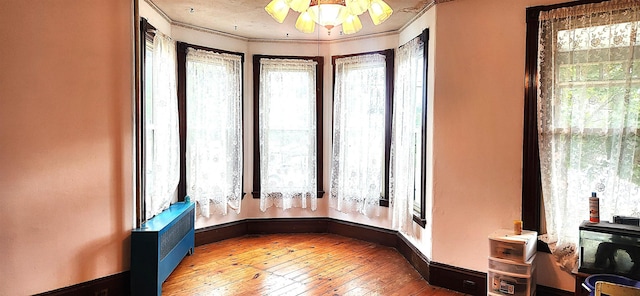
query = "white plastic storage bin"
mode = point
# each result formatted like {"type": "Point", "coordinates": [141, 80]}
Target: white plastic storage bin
{"type": "Point", "coordinates": [505, 244]}
{"type": "Point", "coordinates": [510, 266]}
{"type": "Point", "coordinates": [504, 283]}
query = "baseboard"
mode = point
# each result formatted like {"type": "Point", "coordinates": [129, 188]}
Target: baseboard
{"type": "Point", "coordinates": [287, 225]}
{"type": "Point", "coordinates": [549, 291]}
{"type": "Point", "coordinates": [363, 232]}
{"type": "Point", "coordinates": [220, 232]}
{"type": "Point", "coordinates": [368, 233]}
{"type": "Point", "coordinates": [418, 260]}
{"type": "Point", "coordinates": [117, 284]}
{"type": "Point", "coordinates": [458, 279]}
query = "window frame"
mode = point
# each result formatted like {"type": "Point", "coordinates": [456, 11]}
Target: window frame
{"type": "Point", "coordinates": [319, 119]}
{"type": "Point", "coordinates": [421, 217]}
{"type": "Point", "coordinates": [181, 84]}
{"type": "Point", "coordinates": [389, 79]}
{"type": "Point", "coordinates": [146, 32]}
{"type": "Point", "coordinates": [531, 178]}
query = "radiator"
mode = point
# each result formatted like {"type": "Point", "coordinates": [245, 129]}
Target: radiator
{"type": "Point", "coordinates": [158, 247]}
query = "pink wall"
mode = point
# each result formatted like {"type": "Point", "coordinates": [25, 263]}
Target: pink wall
{"type": "Point", "coordinates": [478, 123]}
{"type": "Point", "coordinates": [65, 137]}
{"type": "Point", "coordinates": [65, 142]}
{"type": "Point", "coordinates": [478, 104]}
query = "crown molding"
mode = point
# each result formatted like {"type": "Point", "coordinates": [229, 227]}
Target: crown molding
{"type": "Point", "coordinates": [207, 30]}
{"type": "Point", "coordinates": [159, 11]}
{"type": "Point", "coordinates": [428, 4]}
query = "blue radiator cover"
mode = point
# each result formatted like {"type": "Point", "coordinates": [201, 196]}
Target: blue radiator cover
{"type": "Point", "coordinates": [158, 247]}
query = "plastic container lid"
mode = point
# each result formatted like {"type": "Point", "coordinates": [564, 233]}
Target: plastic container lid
{"type": "Point", "coordinates": [507, 236]}
{"type": "Point", "coordinates": [590, 281]}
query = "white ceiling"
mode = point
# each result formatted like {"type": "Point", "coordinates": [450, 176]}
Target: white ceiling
{"type": "Point", "coordinates": [248, 19]}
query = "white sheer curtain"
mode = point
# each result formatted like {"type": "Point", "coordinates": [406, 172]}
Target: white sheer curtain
{"type": "Point", "coordinates": [358, 134]}
{"type": "Point", "coordinates": [588, 111]}
{"type": "Point", "coordinates": [407, 95]}
{"type": "Point", "coordinates": [287, 120]}
{"type": "Point", "coordinates": [214, 131]}
{"type": "Point", "coordinates": [163, 165]}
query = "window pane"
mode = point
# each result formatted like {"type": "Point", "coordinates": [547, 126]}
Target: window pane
{"type": "Point", "coordinates": [408, 157]}
{"type": "Point", "coordinates": [148, 114]}
{"type": "Point", "coordinates": [290, 131]}
{"type": "Point", "coordinates": [359, 133]}
{"type": "Point", "coordinates": [417, 132]}
{"type": "Point", "coordinates": [214, 130]}
{"type": "Point", "coordinates": [287, 133]}
{"type": "Point", "coordinates": [587, 114]}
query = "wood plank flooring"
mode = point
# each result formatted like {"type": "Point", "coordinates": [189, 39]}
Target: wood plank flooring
{"type": "Point", "coordinates": [297, 264]}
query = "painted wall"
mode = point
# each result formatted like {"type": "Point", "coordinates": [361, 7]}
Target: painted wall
{"type": "Point", "coordinates": [477, 127]}
{"type": "Point", "coordinates": [478, 122]}
{"type": "Point", "coordinates": [475, 105]}
{"type": "Point", "coordinates": [65, 142]}
{"type": "Point", "coordinates": [65, 134]}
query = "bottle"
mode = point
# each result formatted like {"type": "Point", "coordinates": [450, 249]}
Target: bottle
{"type": "Point", "coordinates": [594, 208]}
{"type": "Point", "coordinates": [517, 227]}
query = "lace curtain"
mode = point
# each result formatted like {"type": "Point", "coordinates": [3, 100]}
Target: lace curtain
{"type": "Point", "coordinates": [588, 109]}
{"type": "Point", "coordinates": [358, 134]}
{"type": "Point", "coordinates": [287, 132]}
{"type": "Point", "coordinates": [404, 137]}
{"type": "Point", "coordinates": [214, 131]}
{"type": "Point", "coordinates": [163, 164]}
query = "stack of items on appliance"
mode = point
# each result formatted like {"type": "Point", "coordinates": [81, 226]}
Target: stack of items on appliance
{"type": "Point", "coordinates": [512, 263]}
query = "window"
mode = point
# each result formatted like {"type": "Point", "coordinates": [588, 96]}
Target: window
{"type": "Point", "coordinates": [408, 152]}
{"type": "Point", "coordinates": [361, 131]}
{"type": "Point", "coordinates": [157, 115]}
{"type": "Point", "coordinates": [586, 99]}
{"type": "Point", "coordinates": [287, 131]}
{"type": "Point", "coordinates": [210, 96]}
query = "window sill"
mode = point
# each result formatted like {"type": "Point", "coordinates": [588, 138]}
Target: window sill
{"type": "Point", "coordinates": [420, 221]}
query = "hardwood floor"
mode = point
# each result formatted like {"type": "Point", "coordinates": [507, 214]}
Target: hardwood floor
{"type": "Point", "coordinates": [297, 264]}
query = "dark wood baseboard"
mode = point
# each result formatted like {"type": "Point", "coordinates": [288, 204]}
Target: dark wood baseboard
{"type": "Point", "coordinates": [549, 291]}
{"type": "Point", "coordinates": [287, 225]}
{"type": "Point", "coordinates": [363, 232]}
{"type": "Point", "coordinates": [220, 232]}
{"type": "Point", "coordinates": [458, 279]}
{"type": "Point", "coordinates": [418, 260]}
{"type": "Point", "coordinates": [117, 284]}
{"type": "Point", "coordinates": [438, 274]}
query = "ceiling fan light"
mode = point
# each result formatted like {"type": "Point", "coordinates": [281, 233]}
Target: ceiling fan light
{"type": "Point", "coordinates": [299, 5]}
{"type": "Point", "coordinates": [278, 10]}
{"type": "Point", "coordinates": [305, 24]}
{"type": "Point", "coordinates": [351, 25]}
{"type": "Point", "coordinates": [357, 7]}
{"type": "Point", "coordinates": [379, 11]}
